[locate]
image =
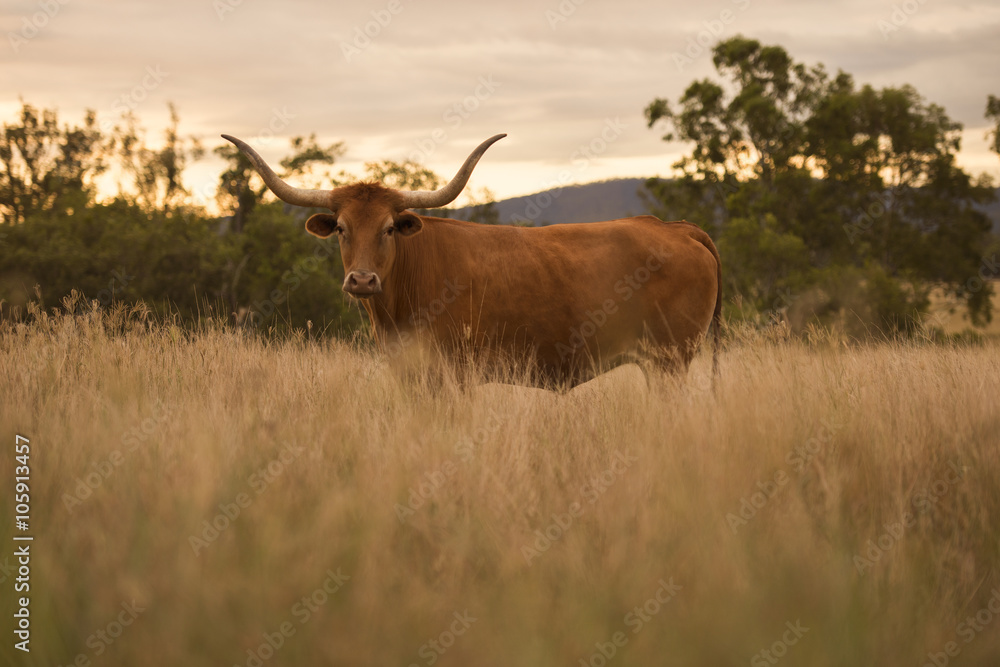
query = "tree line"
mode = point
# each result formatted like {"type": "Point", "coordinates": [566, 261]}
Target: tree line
{"type": "Point", "coordinates": [151, 242]}
{"type": "Point", "coordinates": [832, 203]}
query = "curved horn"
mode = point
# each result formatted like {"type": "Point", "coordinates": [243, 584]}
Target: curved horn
{"type": "Point", "coordinates": [284, 191]}
{"type": "Point", "coordinates": [450, 192]}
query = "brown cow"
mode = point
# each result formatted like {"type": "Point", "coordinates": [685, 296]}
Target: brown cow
{"type": "Point", "coordinates": [574, 299]}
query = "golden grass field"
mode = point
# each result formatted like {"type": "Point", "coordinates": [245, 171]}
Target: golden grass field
{"type": "Point", "coordinates": [828, 505]}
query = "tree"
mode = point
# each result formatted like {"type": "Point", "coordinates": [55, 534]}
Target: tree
{"type": "Point", "coordinates": [307, 154]}
{"type": "Point", "coordinates": [759, 130]}
{"type": "Point", "coordinates": [408, 175]}
{"type": "Point", "coordinates": [288, 277]}
{"type": "Point", "coordinates": [45, 168]}
{"type": "Point", "coordinates": [157, 174]}
{"type": "Point", "coordinates": [852, 177]}
{"type": "Point", "coordinates": [150, 244]}
{"type": "Point", "coordinates": [241, 188]}
{"type": "Point", "coordinates": [993, 114]}
{"type": "Point", "coordinates": [484, 208]}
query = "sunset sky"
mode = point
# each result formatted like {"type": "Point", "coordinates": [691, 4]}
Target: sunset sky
{"type": "Point", "coordinates": [436, 77]}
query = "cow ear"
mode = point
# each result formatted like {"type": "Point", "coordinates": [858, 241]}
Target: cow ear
{"type": "Point", "coordinates": [407, 224]}
{"type": "Point", "coordinates": [322, 225]}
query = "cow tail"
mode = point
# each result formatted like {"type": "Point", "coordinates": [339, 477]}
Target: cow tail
{"type": "Point", "coordinates": [703, 238]}
{"type": "Point", "coordinates": [717, 314]}
{"type": "Point", "coordinates": [717, 326]}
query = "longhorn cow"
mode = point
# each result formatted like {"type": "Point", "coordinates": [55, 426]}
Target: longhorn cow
{"type": "Point", "coordinates": [574, 299]}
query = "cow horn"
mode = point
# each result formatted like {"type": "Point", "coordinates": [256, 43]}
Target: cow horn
{"type": "Point", "coordinates": [284, 191]}
{"type": "Point", "coordinates": [450, 192]}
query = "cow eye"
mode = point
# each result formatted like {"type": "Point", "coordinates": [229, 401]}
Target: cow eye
{"type": "Point", "coordinates": [389, 231]}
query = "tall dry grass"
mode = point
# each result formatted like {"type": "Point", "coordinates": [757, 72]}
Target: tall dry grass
{"type": "Point", "coordinates": [421, 510]}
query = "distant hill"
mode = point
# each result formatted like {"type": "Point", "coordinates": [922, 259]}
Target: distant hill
{"type": "Point", "coordinates": [604, 200]}
{"type": "Point", "coordinates": [992, 211]}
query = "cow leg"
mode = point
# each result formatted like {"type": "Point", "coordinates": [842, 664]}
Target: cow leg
{"type": "Point", "coordinates": [665, 365]}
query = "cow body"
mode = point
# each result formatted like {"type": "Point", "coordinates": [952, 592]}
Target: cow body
{"type": "Point", "coordinates": [570, 300]}
{"type": "Point", "coordinates": [573, 300]}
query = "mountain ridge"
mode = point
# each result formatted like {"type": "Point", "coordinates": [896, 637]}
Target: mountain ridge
{"type": "Point", "coordinates": [602, 200]}
{"type": "Point", "coordinates": [587, 202]}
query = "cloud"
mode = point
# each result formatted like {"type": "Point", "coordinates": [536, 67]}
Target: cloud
{"type": "Point", "coordinates": [232, 63]}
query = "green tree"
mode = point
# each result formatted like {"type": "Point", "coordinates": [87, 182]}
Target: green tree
{"type": "Point", "coordinates": [241, 188]}
{"type": "Point", "coordinates": [818, 170]}
{"type": "Point", "coordinates": [157, 175]}
{"type": "Point", "coordinates": [411, 175]}
{"type": "Point", "coordinates": [993, 115]}
{"type": "Point", "coordinates": [45, 168]}
{"type": "Point", "coordinates": [288, 278]}
{"type": "Point", "coordinates": [150, 244]}
{"type": "Point", "coordinates": [116, 251]}
{"type": "Point", "coordinates": [483, 207]}
{"type": "Point", "coordinates": [306, 156]}
{"type": "Point", "coordinates": [407, 175]}
{"type": "Point", "coordinates": [759, 130]}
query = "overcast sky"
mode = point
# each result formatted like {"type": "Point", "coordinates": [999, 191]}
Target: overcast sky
{"type": "Point", "coordinates": [435, 78]}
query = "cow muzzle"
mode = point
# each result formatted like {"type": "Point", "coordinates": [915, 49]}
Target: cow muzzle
{"type": "Point", "coordinates": [362, 284]}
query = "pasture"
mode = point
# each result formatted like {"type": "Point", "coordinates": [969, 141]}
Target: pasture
{"type": "Point", "coordinates": [221, 499]}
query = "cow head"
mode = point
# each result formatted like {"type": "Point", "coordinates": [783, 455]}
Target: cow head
{"type": "Point", "coordinates": [368, 218]}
